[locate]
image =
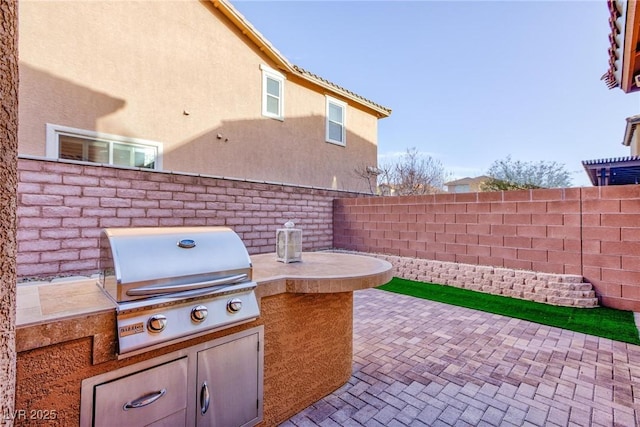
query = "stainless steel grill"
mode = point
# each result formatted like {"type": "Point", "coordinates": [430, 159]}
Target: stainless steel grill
{"type": "Point", "coordinates": [175, 283]}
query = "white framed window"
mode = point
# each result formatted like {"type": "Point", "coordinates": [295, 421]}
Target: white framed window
{"type": "Point", "coordinates": [272, 93]}
{"type": "Point", "coordinates": [336, 121]}
{"type": "Point", "coordinates": [88, 146]}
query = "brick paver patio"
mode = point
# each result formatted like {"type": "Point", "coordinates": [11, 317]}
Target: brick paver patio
{"type": "Point", "coordinates": [422, 363]}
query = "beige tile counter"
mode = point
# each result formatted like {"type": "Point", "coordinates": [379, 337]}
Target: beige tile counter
{"type": "Point", "coordinates": [43, 302]}
{"type": "Point", "coordinates": [49, 313]}
{"type": "Point", "coordinates": [61, 310]}
{"type": "Point", "coordinates": [319, 272]}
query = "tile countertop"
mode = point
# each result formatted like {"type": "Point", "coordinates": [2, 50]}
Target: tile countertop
{"type": "Point", "coordinates": [319, 272]}
{"type": "Point", "coordinates": [42, 302]}
{"type": "Point", "coordinates": [67, 301]}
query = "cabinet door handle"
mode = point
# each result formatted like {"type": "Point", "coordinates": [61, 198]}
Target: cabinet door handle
{"type": "Point", "coordinates": [205, 398]}
{"type": "Point", "coordinates": [145, 400]}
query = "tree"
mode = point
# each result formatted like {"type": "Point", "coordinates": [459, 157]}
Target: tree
{"type": "Point", "coordinates": [414, 173]}
{"type": "Point", "coordinates": [509, 174]}
{"type": "Point", "coordinates": [370, 176]}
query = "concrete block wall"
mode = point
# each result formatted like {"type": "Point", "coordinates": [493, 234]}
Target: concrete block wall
{"type": "Point", "coordinates": [611, 244]}
{"type": "Point", "coordinates": [589, 232]}
{"type": "Point", "coordinates": [538, 231]}
{"type": "Point", "coordinates": [62, 207]}
{"type": "Point", "coordinates": [567, 290]}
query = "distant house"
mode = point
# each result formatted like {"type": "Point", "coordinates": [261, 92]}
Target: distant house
{"type": "Point", "coordinates": [187, 86]}
{"type": "Point", "coordinates": [385, 189]}
{"type": "Point", "coordinates": [466, 185]}
{"type": "Point", "coordinates": [623, 72]}
{"type": "Point", "coordinates": [622, 170]}
{"type": "Point", "coordinates": [632, 135]}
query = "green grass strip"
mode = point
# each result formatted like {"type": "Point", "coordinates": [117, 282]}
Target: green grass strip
{"type": "Point", "coordinates": [603, 322]}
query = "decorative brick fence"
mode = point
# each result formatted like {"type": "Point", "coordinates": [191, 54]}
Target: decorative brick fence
{"type": "Point", "coordinates": [62, 207]}
{"type": "Point", "coordinates": [590, 232]}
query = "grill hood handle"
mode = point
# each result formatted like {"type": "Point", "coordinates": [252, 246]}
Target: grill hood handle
{"type": "Point", "coordinates": [163, 289]}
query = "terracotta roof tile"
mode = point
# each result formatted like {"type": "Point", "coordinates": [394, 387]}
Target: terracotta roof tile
{"type": "Point", "coordinates": [340, 88]}
{"type": "Point", "coordinates": [609, 76]}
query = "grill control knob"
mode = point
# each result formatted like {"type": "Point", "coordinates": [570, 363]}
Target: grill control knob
{"type": "Point", "coordinates": [157, 323]}
{"type": "Point", "coordinates": [234, 305]}
{"type": "Point", "coordinates": [199, 313]}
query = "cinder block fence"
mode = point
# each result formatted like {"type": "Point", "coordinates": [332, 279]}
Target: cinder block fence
{"type": "Point", "coordinates": [590, 232]}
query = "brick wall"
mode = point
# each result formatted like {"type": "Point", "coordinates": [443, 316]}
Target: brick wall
{"type": "Point", "coordinates": [592, 232]}
{"type": "Point", "coordinates": [611, 243]}
{"type": "Point", "coordinates": [62, 207]}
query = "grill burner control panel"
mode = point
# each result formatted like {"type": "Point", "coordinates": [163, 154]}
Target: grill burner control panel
{"type": "Point", "coordinates": [143, 327]}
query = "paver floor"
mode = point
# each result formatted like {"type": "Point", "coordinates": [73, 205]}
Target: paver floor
{"type": "Point", "coordinates": [423, 363]}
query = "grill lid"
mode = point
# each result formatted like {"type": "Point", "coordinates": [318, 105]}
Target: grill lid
{"type": "Point", "coordinates": [141, 262]}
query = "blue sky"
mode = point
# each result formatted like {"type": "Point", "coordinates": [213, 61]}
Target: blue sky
{"type": "Point", "coordinates": [469, 82]}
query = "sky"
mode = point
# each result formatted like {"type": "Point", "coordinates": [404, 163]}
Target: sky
{"type": "Point", "coordinates": [468, 82]}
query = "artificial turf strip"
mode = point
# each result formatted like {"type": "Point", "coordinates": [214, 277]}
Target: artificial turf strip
{"type": "Point", "coordinates": [603, 322]}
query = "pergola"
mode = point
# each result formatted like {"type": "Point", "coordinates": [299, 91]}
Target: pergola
{"type": "Point", "coordinates": [616, 171]}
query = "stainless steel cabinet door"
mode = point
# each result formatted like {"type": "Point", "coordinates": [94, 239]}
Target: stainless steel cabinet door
{"type": "Point", "coordinates": [229, 382]}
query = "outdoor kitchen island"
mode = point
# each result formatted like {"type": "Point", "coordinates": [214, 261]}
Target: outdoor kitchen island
{"type": "Point", "coordinates": [66, 333]}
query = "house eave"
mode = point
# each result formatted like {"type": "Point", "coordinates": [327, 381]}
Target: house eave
{"type": "Point", "coordinates": [283, 63]}
{"type": "Point", "coordinates": [631, 53]}
{"type": "Point", "coordinates": [624, 39]}
{"type": "Point", "coordinates": [252, 34]}
{"type": "Point", "coordinates": [345, 93]}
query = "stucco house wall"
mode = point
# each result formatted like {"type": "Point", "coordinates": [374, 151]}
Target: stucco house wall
{"type": "Point", "coordinates": [184, 75]}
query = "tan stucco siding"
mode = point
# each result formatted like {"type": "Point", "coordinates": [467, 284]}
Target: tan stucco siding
{"type": "Point", "coordinates": [8, 204]}
{"type": "Point", "coordinates": [635, 143]}
{"type": "Point", "coordinates": [139, 66]}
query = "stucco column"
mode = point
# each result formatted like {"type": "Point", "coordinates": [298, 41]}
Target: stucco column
{"type": "Point", "coordinates": [8, 196]}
